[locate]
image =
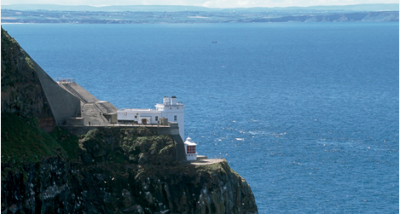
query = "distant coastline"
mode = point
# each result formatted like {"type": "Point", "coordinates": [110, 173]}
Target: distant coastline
{"type": "Point", "coordinates": [134, 14]}
{"type": "Point", "coordinates": [180, 8]}
{"type": "Point", "coordinates": [191, 17]}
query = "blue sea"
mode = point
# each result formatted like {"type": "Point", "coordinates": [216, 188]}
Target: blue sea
{"type": "Point", "coordinates": [307, 113]}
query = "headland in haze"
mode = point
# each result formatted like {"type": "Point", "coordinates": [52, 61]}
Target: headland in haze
{"type": "Point", "coordinates": [138, 14]}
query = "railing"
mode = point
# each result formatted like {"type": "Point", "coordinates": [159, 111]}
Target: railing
{"type": "Point", "coordinates": [119, 125]}
{"type": "Point", "coordinates": [64, 80]}
{"type": "Point", "coordinates": [126, 125]}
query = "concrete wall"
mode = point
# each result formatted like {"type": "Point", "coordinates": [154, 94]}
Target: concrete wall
{"type": "Point", "coordinates": [78, 91]}
{"type": "Point", "coordinates": [75, 121]}
{"type": "Point", "coordinates": [63, 104]}
{"type": "Point", "coordinates": [93, 115]}
{"type": "Point", "coordinates": [180, 116]}
{"type": "Point", "coordinates": [112, 118]}
{"type": "Point", "coordinates": [173, 130]}
{"type": "Point", "coordinates": [94, 112]}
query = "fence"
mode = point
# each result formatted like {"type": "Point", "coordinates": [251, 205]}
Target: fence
{"type": "Point", "coordinates": [64, 80]}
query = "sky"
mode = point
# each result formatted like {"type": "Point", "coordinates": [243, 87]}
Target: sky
{"type": "Point", "coordinates": [204, 3]}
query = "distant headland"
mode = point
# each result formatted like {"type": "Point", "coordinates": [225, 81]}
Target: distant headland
{"type": "Point", "coordinates": [141, 14]}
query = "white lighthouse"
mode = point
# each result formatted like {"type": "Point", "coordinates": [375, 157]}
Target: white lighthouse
{"type": "Point", "coordinates": [190, 149]}
{"type": "Point", "coordinates": [171, 109]}
{"type": "Point", "coordinates": [174, 111]}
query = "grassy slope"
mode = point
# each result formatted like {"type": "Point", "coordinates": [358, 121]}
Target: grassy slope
{"type": "Point", "coordinates": [22, 141]}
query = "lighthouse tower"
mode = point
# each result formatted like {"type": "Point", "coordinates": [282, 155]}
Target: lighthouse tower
{"type": "Point", "coordinates": [174, 111]}
{"type": "Point", "coordinates": [190, 149]}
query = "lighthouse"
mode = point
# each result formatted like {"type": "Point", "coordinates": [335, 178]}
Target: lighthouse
{"type": "Point", "coordinates": [174, 111]}
{"type": "Point", "coordinates": [190, 149]}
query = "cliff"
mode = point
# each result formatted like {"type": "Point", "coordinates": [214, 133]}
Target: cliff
{"type": "Point", "coordinates": [21, 91]}
{"type": "Point", "coordinates": [106, 170]}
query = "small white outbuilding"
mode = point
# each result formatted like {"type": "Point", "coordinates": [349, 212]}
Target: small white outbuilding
{"type": "Point", "coordinates": [190, 149]}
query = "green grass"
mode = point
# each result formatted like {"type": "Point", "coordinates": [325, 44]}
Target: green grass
{"type": "Point", "coordinates": [29, 62]}
{"type": "Point", "coordinates": [67, 141]}
{"type": "Point", "coordinates": [22, 141]}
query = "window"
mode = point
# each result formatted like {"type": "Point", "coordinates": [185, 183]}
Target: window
{"type": "Point", "coordinates": [156, 118]}
{"type": "Point", "coordinates": [135, 116]}
{"type": "Point", "coordinates": [191, 150]}
{"type": "Point", "coordinates": [175, 118]}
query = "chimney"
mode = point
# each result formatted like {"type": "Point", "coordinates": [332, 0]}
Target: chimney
{"type": "Point", "coordinates": [173, 100]}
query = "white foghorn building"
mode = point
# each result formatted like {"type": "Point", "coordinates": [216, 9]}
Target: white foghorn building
{"type": "Point", "coordinates": [190, 149]}
{"type": "Point", "coordinates": [170, 109]}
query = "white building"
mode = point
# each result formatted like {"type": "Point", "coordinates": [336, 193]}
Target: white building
{"type": "Point", "coordinates": [190, 149]}
{"type": "Point", "coordinates": [170, 109]}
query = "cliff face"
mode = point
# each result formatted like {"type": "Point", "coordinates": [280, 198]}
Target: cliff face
{"type": "Point", "coordinates": [126, 171]}
{"type": "Point", "coordinates": [21, 91]}
{"type": "Point", "coordinates": [107, 170]}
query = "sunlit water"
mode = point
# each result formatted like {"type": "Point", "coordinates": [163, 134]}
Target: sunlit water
{"type": "Point", "coordinates": [306, 113]}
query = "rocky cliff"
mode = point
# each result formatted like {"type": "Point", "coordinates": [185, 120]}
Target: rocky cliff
{"type": "Point", "coordinates": [106, 170]}
{"type": "Point", "coordinates": [21, 91]}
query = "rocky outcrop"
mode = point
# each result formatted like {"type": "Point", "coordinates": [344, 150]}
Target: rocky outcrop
{"type": "Point", "coordinates": [106, 170]}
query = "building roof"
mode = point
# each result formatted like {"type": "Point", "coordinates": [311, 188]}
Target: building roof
{"type": "Point", "coordinates": [190, 142]}
{"type": "Point", "coordinates": [134, 109]}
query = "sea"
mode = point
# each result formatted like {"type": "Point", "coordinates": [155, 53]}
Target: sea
{"type": "Point", "coordinates": [307, 113]}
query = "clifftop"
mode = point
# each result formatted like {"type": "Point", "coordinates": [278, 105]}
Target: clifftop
{"type": "Point", "coordinates": [45, 169]}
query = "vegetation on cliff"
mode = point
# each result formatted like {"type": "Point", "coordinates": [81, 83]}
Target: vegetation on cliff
{"type": "Point", "coordinates": [106, 170]}
{"type": "Point", "coordinates": [128, 145]}
{"type": "Point", "coordinates": [25, 112]}
{"type": "Point", "coordinates": [21, 91]}
{"type": "Point", "coordinates": [119, 170]}
{"type": "Point", "coordinates": [22, 141]}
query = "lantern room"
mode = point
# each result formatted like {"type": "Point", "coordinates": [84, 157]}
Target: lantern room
{"type": "Point", "coordinates": [190, 149]}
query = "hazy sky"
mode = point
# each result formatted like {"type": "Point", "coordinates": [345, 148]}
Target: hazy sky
{"type": "Point", "coordinates": [205, 3]}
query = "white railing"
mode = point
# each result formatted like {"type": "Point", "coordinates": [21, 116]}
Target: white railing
{"type": "Point", "coordinates": [127, 125]}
